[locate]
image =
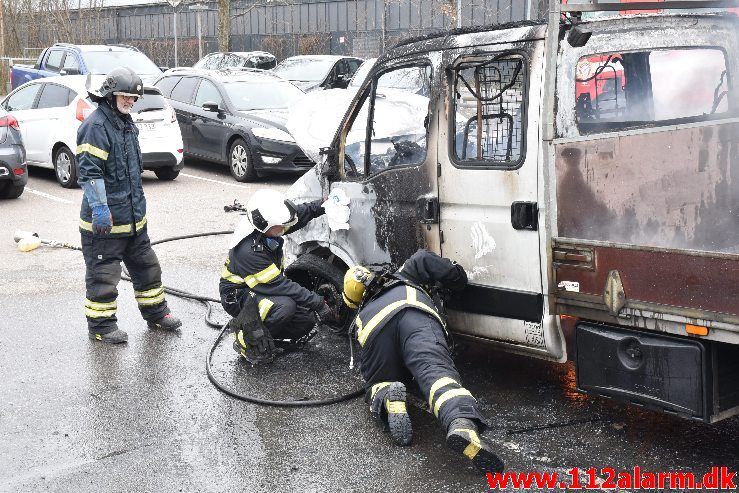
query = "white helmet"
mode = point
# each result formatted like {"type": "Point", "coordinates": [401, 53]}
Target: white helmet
{"type": "Point", "coordinates": [265, 209]}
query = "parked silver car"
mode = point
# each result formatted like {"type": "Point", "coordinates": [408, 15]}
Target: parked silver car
{"type": "Point", "coordinates": [236, 59]}
{"type": "Point", "coordinates": [314, 72]}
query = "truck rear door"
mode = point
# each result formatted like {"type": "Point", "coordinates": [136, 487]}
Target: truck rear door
{"type": "Point", "coordinates": [489, 186]}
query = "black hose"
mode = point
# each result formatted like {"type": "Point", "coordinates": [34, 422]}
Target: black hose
{"type": "Point", "coordinates": [270, 402]}
{"type": "Point", "coordinates": [242, 397]}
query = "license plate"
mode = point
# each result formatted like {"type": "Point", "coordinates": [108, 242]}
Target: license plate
{"type": "Point", "coordinates": [146, 126]}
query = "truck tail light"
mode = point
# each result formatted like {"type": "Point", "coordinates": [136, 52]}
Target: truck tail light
{"type": "Point", "coordinates": [83, 110]}
{"type": "Point", "coordinates": [9, 121]}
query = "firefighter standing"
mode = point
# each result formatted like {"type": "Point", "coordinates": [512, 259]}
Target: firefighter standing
{"type": "Point", "coordinates": [403, 337]}
{"type": "Point", "coordinates": [266, 304]}
{"type": "Point", "coordinates": [113, 212]}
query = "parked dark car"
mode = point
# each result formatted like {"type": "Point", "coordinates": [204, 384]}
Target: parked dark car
{"type": "Point", "coordinates": [236, 117]}
{"type": "Point", "coordinates": [13, 170]}
{"type": "Point", "coordinates": [236, 59]}
{"type": "Point", "coordinates": [314, 72]}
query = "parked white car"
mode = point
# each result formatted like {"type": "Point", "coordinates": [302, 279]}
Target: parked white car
{"type": "Point", "coordinates": [50, 110]}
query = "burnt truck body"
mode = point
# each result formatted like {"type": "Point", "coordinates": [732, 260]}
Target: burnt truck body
{"type": "Point", "coordinates": [602, 231]}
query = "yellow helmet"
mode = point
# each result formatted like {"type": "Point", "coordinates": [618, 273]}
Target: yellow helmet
{"type": "Point", "coordinates": [356, 280]}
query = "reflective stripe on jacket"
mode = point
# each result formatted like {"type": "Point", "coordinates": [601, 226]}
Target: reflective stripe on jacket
{"type": "Point", "coordinates": [378, 311]}
{"type": "Point", "coordinates": [108, 149]}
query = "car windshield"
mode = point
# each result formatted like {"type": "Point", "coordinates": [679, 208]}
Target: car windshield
{"type": "Point", "coordinates": [304, 69]}
{"type": "Point", "coordinates": [151, 101]}
{"type": "Point", "coordinates": [265, 95]}
{"type": "Point", "coordinates": [102, 62]}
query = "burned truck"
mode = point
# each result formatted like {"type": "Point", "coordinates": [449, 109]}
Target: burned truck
{"type": "Point", "coordinates": [600, 229]}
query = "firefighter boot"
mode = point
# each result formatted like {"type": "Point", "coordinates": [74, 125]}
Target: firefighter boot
{"type": "Point", "coordinates": [167, 322]}
{"type": "Point", "coordinates": [253, 341]}
{"type": "Point", "coordinates": [388, 407]}
{"type": "Point", "coordinates": [115, 337]}
{"type": "Point", "coordinates": [463, 438]}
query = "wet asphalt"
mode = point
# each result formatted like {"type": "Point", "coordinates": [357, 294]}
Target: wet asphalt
{"type": "Point", "coordinates": [79, 416]}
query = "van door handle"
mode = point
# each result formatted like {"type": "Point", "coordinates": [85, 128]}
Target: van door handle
{"type": "Point", "coordinates": [427, 209]}
{"type": "Point", "coordinates": [525, 215]}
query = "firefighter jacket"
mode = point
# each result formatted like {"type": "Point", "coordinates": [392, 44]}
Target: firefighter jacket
{"type": "Point", "coordinates": [108, 149]}
{"type": "Point", "coordinates": [409, 290]}
{"type": "Point", "coordinates": [257, 264]}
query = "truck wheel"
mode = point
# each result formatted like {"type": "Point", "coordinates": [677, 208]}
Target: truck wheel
{"type": "Point", "coordinates": [240, 162]}
{"type": "Point", "coordinates": [166, 174]}
{"type": "Point", "coordinates": [322, 277]}
{"type": "Point", "coordinates": [65, 167]}
{"type": "Point", "coordinates": [10, 190]}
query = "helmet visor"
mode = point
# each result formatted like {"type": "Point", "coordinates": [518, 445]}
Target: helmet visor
{"type": "Point", "coordinates": [293, 215]}
{"type": "Point", "coordinates": [128, 94]}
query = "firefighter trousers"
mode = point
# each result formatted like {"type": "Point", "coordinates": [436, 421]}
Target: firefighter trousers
{"type": "Point", "coordinates": [284, 318]}
{"type": "Point", "coordinates": [103, 256]}
{"type": "Point", "coordinates": [410, 346]}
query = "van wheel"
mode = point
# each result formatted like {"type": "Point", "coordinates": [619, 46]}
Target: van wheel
{"type": "Point", "coordinates": [65, 167]}
{"type": "Point", "coordinates": [166, 174]}
{"type": "Point", "coordinates": [322, 277]}
{"type": "Point", "coordinates": [10, 190]}
{"type": "Point", "coordinates": [240, 162]}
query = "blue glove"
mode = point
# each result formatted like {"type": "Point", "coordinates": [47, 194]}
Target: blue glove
{"type": "Point", "coordinates": [102, 220]}
{"type": "Point", "coordinates": [94, 191]}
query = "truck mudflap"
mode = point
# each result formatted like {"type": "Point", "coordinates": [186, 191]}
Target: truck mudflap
{"type": "Point", "coordinates": [688, 377]}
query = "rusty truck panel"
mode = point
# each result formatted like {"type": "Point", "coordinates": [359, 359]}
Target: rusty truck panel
{"type": "Point", "coordinates": [677, 188]}
{"type": "Point", "coordinates": [661, 209]}
{"type": "Point", "coordinates": [666, 277]}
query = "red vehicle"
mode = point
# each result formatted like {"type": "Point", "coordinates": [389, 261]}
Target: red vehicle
{"type": "Point", "coordinates": [599, 87]}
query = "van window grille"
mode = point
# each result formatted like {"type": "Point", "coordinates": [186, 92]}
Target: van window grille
{"type": "Point", "coordinates": [489, 110]}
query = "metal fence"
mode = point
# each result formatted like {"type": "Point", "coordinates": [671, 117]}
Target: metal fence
{"type": "Point", "coordinates": [283, 27]}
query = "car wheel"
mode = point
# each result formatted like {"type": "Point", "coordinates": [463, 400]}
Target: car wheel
{"type": "Point", "coordinates": [166, 174]}
{"type": "Point", "coordinates": [10, 190]}
{"type": "Point", "coordinates": [65, 167]}
{"type": "Point", "coordinates": [239, 161]}
{"type": "Point", "coordinates": [322, 277]}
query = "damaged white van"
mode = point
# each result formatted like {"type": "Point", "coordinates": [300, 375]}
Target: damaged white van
{"type": "Point", "coordinates": [584, 171]}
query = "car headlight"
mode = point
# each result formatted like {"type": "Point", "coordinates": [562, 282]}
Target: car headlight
{"type": "Point", "coordinates": [272, 134]}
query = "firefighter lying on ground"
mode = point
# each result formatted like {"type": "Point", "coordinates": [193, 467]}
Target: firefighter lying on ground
{"type": "Point", "coordinates": [403, 338]}
{"type": "Point", "coordinates": [265, 304]}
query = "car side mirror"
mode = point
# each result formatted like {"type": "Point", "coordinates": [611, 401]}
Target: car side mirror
{"type": "Point", "coordinates": [163, 68]}
{"type": "Point", "coordinates": [211, 106]}
{"type": "Point", "coordinates": [69, 71]}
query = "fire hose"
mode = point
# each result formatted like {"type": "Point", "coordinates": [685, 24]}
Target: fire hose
{"type": "Point", "coordinates": [28, 241]}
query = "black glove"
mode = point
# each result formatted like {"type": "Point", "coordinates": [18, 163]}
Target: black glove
{"type": "Point", "coordinates": [262, 340]}
{"type": "Point", "coordinates": [325, 313]}
{"type": "Point", "coordinates": [258, 345]}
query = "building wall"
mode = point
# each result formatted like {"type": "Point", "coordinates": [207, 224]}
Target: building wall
{"type": "Point", "coordinates": [284, 27]}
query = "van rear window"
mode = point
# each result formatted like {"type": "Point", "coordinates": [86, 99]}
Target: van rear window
{"type": "Point", "coordinates": [614, 91]}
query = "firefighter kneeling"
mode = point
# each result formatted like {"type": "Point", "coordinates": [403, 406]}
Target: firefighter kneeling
{"type": "Point", "coordinates": [403, 337]}
{"type": "Point", "coordinates": [253, 287]}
